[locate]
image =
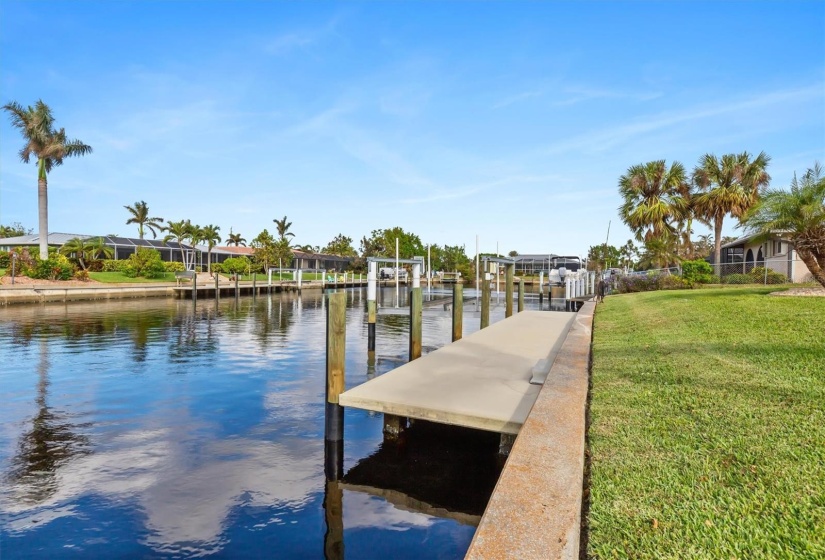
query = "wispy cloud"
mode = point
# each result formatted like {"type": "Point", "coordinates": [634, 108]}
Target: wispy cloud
{"type": "Point", "coordinates": [470, 190]}
{"type": "Point", "coordinates": [300, 38]}
{"type": "Point", "coordinates": [507, 101]}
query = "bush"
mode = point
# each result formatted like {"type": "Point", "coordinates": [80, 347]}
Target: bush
{"type": "Point", "coordinates": [650, 282]}
{"type": "Point", "coordinates": [110, 265]}
{"type": "Point", "coordinates": [173, 266]}
{"type": "Point", "coordinates": [82, 275]}
{"type": "Point", "coordinates": [235, 265]}
{"type": "Point", "coordinates": [738, 279]}
{"type": "Point", "coordinates": [145, 263]}
{"type": "Point", "coordinates": [217, 268]}
{"type": "Point", "coordinates": [5, 259]}
{"type": "Point", "coordinates": [760, 276]}
{"type": "Point", "coordinates": [697, 272]}
{"type": "Point", "coordinates": [56, 267]}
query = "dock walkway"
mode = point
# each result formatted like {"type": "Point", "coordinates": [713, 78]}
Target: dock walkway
{"type": "Point", "coordinates": [481, 381]}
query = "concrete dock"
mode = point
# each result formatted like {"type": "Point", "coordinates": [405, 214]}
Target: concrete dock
{"type": "Point", "coordinates": [481, 381]}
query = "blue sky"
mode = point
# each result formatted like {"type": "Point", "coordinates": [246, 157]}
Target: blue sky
{"type": "Point", "coordinates": [512, 121]}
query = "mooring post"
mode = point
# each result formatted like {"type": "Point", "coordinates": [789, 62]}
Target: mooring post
{"type": "Point", "coordinates": [336, 344]}
{"type": "Point", "coordinates": [416, 300]}
{"type": "Point", "coordinates": [509, 276]}
{"type": "Point", "coordinates": [372, 278]}
{"type": "Point", "coordinates": [458, 311]}
{"type": "Point", "coordinates": [520, 295]}
{"type": "Point", "coordinates": [485, 301]}
{"type": "Point", "coordinates": [541, 288]}
{"type": "Point", "coordinates": [195, 286]}
{"type": "Point", "coordinates": [237, 288]}
{"type": "Point", "coordinates": [254, 284]}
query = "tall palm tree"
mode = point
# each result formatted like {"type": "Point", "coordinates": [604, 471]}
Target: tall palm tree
{"type": "Point", "coordinates": [652, 201]}
{"type": "Point", "coordinates": [140, 216]}
{"type": "Point", "coordinates": [235, 239]}
{"type": "Point", "coordinates": [211, 237]}
{"type": "Point", "coordinates": [730, 185]}
{"type": "Point", "coordinates": [86, 250]}
{"type": "Point", "coordinates": [50, 147]}
{"type": "Point", "coordinates": [283, 229]}
{"type": "Point", "coordinates": [799, 214]}
{"type": "Point", "coordinates": [178, 231]}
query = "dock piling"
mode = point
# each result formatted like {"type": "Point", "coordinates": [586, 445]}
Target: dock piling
{"type": "Point", "coordinates": [458, 311]}
{"type": "Point", "coordinates": [416, 304]}
{"type": "Point", "coordinates": [217, 289]}
{"type": "Point", "coordinates": [485, 302]}
{"type": "Point", "coordinates": [336, 344]}
{"type": "Point", "coordinates": [372, 278]}
{"type": "Point", "coordinates": [508, 289]}
{"type": "Point", "coordinates": [520, 296]}
{"type": "Point", "coordinates": [237, 288]}
{"type": "Point", "coordinates": [195, 287]}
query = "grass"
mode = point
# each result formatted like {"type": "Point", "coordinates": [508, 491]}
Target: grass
{"type": "Point", "coordinates": [707, 434]}
{"type": "Point", "coordinates": [119, 277]}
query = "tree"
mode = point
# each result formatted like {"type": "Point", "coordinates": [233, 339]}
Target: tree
{"type": "Point", "coordinates": [211, 237]}
{"type": "Point", "coordinates": [652, 201]}
{"type": "Point", "coordinates": [283, 229]}
{"type": "Point", "coordinates": [660, 252]}
{"type": "Point", "coordinates": [728, 186]}
{"type": "Point", "coordinates": [381, 243]}
{"type": "Point", "coordinates": [14, 230]}
{"type": "Point", "coordinates": [703, 246]}
{"type": "Point", "coordinates": [512, 254]}
{"type": "Point", "coordinates": [799, 214]}
{"type": "Point", "coordinates": [180, 232]}
{"type": "Point", "coordinates": [265, 249]}
{"type": "Point", "coordinates": [50, 147]}
{"type": "Point", "coordinates": [601, 257]}
{"type": "Point", "coordinates": [340, 245]}
{"type": "Point", "coordinates": [140, 216]}
{"type": "Point", "coordinates": [307, 248]}
{"type": "Point", "coordinates": [86, 250]}
{"type": "Point", "coordinates": [629, 254]}
{"type": "Point", "coordinates": [235, 239]}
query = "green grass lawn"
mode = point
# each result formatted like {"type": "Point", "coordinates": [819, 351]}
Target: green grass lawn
{"type": "Point", "coordinates": [707, 434]}
{"type": "Point", "coordinates": [118, 277]}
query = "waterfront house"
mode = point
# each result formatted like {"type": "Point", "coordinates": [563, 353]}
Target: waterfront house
{"type": "Point", "coordinates": [776, 253]}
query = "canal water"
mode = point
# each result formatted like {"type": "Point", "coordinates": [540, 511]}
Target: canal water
{"type": "Point", "coordinates": [161, 429]}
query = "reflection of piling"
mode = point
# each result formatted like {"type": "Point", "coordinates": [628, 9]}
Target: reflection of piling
{"type": "Point", "coordinates": [217, 289]}
{"type": "Point", "coordinates": [485, 303]}
{"type": "Point", "coordinates": [508, 289]}
{"type": "Point", "coordinates": [334, 520]}
{"type": "Point", "coordinates": [520, 296]}
{"type": "Point", "coordinates": [237, 288]}
{"type": "Point", "coordinates": [541, 288]}
{"type": "Point", "coordinates": [254, 284]}
{"type": "Point", "coordinates": [416, 304]}
{"type": "Point", "coordinates": [195, 286]}
{"type": "Point", "coordinates": [458, 311]}
{"type": "Point", "coordinates": [336, 341]}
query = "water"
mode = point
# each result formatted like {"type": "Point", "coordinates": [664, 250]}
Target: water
{"type": "Point", "coordinates": [152, 428]}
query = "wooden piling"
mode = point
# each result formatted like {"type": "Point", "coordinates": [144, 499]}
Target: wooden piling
{"type": "Point", "coordinates": [520, 296]}
{"type": "Point", "coordinates": [237, 288]}
{"type": "Point", "coordinates": [416, 304]}
{"type": "Point", "coordinates": [458, 311]}
{"type": "Point", "coordinates": [195, 287]}
{"type": "Point", "coordinates": [217, 288]}
{"type": "Point", "coordinates": [336, 343]}
{"type": "Point", "coordinates": [508, 289]}
{"type": "Point", "coordinates": [254, 284]}
{"type": "Point", "coordinates": [485, 303]}
{"type": "Point", "coordinates": [371, 325]}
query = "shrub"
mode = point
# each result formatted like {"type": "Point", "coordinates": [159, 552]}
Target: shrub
{"type": "Point", "coordinates": [671, 282]}
{"type": "Point", "coordinates": [235, 265]}
{"type": "Point", "coordinates": [56, 267]}
{"type": "Point", "coordinates": [5, 259]}
{"type": "Point", "coordinates": [173, 266]}
{"type": "Point", "coordinates": [82, 275]}
{"type": "Point", "coordinates": [217, 268]}
{"type": "Point", "coordinates": [760, 276]}
{"type": "Point", "coordinates": [648, 283]}
{"type": "Point", "coordinates": [737, 279]}
{"type": "Point", "coordinates": [110, 265]}
{"type": "Point", "coordinates": [145, 263]}
{"type": "Point", "coordinates": [697, 272]}
{"type": "Point", "coordinates": [95, 266]}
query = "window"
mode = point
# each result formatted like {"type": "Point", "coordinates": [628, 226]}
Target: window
{"type": "Point", "coordinates": [777, 247]}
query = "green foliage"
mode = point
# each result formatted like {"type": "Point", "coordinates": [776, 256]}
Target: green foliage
{"type": "Point", "coordinates": [697, 272]}
{"type": "Point", "coordinates": [56, 267]}
{"type": "Point", "coordinates": [235, 265]}
{"type": "Point", "coordinates": [14, 230]}
{"type": "Point", "coordinates": [82, 275]}
{"type": "Point", "coordinates": [145, 263]}
{"type": "Point", "coordinates": [381, 243]}
{"type": "Point", "coordinates": [769, 276]}
{"type": "Point", "coordinates": [738, 278]}
{"type": "Point", "coordinates": [654, 198]}
{"type": "Point", "coordinates": [649, 283]}
{"type": "Point", "coordinates": [140, 216]}
{"type": "Point", "coordinates": [602, 257]}
{"type": "Point", "coordinates": [110, 265]}
{"type": "Point", "coordinates": [175, 266]}
{"type": "Point", "coordinates": [5, 259]}
{"type": "Point", "coordinates": [340, 245]}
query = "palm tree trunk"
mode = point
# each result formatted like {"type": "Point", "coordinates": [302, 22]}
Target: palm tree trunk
{"type": "Point", "coordinates": [717, 242]}
{"type": "Point", "coordinates": [209, 261]}
{"type": "Point", "coordinates": [817, 271]}
{"type": "Point", "coordinates": [43, 217]}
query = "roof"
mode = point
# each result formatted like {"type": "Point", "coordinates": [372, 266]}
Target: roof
{"type": "Point", "coordinates": [54, 239]}
{"type": "Point", "coordinates": [745, 238]}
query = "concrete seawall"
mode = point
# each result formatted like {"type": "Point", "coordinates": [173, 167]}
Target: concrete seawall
{"type": "Point", "coordinates": [535, 510]}
{"type": "Point", "coordinates": [46, 294]}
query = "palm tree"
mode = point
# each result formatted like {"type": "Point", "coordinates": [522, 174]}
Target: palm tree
{"type": "Point", "coordinates": [283, 229]}
{"type": "Point", "coordinates": [728, 186]}
{"type": "Point", "coordinates": [799, 214]}
{"type": "Point", "coordinates": [140, 216]}
{"type": "Point", "coordinates": [86, 249]}
{"type": "Point", "coordinates": [50, 147]}
{"type": "Point", "coordinates": [236, 240]}
{"type": "Point", "coordinates": [652, 201]}
{"type": "Point", "coordinates": [180, 232]}
{"type": "Point", "coordinates": [660, 252]}
{"type": "Point", "coordinates": [211, 237]}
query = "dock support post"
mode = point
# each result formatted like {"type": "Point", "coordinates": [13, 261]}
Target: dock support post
{"type": "Point", "coordinates": [336, 344]}
{"type": "Point", "coordinates": [195, 287]}
{"type": "Point", "coordinates": [416, 303]}
{"type": "Point", "coordinates": [520, 296]}
{"type": "Point", "coordinates": [458, 311]}
{"type": "Point", "coordinates": [372, 278]}
{"type": "Point", "coordinates": [237, 288]}
{"type": "Point", "coordinates": [505, 445]}
{"type": "Point", "coordinates": [254, 284]}
{"type": "Point", "coordinates": [509, 274]}
{"type": "Point", "coordinates": [485, 302]}
{"type": "Point", "coordinates": [541, 288]}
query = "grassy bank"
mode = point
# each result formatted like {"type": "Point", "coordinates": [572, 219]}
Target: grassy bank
{"type": "Point", "coordinates": [708, 432]}
{"type": "Point", "coordinates": [119, 277]}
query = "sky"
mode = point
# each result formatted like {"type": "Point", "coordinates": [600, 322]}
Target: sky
{"type": "Point", "coordinates": [508, 121]}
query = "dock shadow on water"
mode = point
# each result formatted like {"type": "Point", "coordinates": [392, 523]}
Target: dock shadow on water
{"type": "Point", "coordinates": [167, 429]}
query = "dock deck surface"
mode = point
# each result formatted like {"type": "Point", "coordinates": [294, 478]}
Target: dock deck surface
{"type": "Point", "coordinates": [481, 381]}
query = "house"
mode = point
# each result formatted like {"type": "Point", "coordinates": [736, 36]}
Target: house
{"type": "Point", "coordinates": [533, 264]}
{"type": "Point", "coordinates": [777, 254]}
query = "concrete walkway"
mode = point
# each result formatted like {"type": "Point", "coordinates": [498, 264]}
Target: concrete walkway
{"type": "Point", "coordinates": [481, 381]}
